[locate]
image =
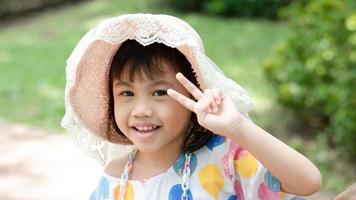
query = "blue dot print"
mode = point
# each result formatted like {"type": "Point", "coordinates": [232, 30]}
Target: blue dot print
{"type": "Point", "coordinates": [176, 192]}
{"type": "Point", "coordinates": [272, 183]}
{"type": "Point", "coordinates": [179, 165]}
{"type": "Point", "coordinates": [232, 197]}
{"type": "Point", "coordinates": [215, 141]}
{"type": "Point", "coordinates": [102, 191]}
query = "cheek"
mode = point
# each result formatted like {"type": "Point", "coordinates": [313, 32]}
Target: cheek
{"type": "Point", "coordinates": [176, 114]}
{"type": "Point", "coordinates": [120, 115]}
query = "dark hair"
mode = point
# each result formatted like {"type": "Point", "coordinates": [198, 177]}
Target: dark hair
{"type": "Point", "coordinates": [131, 58]}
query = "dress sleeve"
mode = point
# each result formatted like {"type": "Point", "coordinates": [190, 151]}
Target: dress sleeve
{"type": "Point", "coordinates": [251, 180]}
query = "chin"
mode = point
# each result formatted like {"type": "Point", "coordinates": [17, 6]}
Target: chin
{"type": "Point", "coordinates": [148, 148]}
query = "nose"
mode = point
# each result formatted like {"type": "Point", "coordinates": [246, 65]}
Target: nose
{"type": "Point", "coordinates": [142, 109]}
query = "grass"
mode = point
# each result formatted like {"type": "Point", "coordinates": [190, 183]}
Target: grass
{"type": "Point", "coordinates": [32, 61]}
{"type": "Point", "coordinates": [34, 50]}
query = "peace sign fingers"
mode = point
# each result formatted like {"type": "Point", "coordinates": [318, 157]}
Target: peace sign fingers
{"type": "Point", "coordinates": [214, 110]}
{"type": "Point", "coordinates": [207, 101]}
{"type": "Point", "coordinates": [191, 88]}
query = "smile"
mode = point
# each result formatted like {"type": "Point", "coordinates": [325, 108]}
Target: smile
{"type": "Point", "coordinates": [145, 132]}
{"type": "Point", "coordinates": [146, 128]}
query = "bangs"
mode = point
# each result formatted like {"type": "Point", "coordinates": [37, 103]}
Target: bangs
{"type": "Point", "coordinates": [133, 59]}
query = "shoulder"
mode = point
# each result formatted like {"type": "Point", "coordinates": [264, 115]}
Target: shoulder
{"type": "Point", "coordinates": [116, 166]}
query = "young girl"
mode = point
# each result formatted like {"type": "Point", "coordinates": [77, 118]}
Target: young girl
{"type": "Point", "coordinates": [143, 80]}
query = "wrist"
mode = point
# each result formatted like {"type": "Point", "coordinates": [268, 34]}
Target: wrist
{"type": "Point", "coordinates": [236, 126]}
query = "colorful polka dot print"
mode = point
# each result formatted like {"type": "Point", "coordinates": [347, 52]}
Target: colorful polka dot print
{"type": "Point", "coordinates": [221, 170]}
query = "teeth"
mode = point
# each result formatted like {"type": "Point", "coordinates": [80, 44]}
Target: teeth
{"type": "Point", "coordinates": [145, 128]}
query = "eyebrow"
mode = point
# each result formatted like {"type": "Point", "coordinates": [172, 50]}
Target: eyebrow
{"type": "Point", "coordinates": [155, 83]}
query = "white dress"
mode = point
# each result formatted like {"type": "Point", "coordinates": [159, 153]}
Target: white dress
{"type": "Point", "coordinates": [213, 168]}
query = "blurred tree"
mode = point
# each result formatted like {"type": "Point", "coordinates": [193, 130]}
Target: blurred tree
{"type": "Point", "coordinates": [10, 8]}
{"type": "Point", "coordinates": [245, 8]}
{"type": "Point", "coordinates": [314, 71]}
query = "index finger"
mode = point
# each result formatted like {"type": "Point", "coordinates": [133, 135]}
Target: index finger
{"type": "Point", "coordinates": [185, 101]}
{"type": "Point", "coordinates": [192, 89]}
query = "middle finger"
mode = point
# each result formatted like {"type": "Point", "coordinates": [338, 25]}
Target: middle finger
{"type": "Point", "coordinates": [192, 89]}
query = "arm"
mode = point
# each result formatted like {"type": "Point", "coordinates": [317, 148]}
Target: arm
{"type": "Point", "coordinates": [297, 174]}
{"type": "Point", "coordinates": [216, 112]}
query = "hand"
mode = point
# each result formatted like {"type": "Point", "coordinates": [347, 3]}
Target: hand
{"type": "Point", "coordinates": [215, 110]}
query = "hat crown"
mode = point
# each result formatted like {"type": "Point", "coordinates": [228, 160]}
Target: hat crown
{"type": "Point", "coordinates": [149, 28]}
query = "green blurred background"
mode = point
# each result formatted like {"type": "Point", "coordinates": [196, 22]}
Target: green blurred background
{"type": "Point", "coordinates": [296, 59]}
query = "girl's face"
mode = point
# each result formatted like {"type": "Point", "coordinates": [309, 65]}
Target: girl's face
{"type": "Point", "coordinates": [146, 114]}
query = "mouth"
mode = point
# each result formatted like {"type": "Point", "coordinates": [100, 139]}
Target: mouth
{"type": "Point", "coordinates": [145, 132]}
{"type": "Point", "coordinates": [145, 129]}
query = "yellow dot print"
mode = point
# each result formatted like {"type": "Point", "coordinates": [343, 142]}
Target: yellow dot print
{"type": "Point", "coordinates": [281, 195]}
{"type": "Point", "coordinates": [129, 194]}
{"type": "Point", "coordinates": [211, 180]}
{"type": "Point", "coordinates": [246, 165]}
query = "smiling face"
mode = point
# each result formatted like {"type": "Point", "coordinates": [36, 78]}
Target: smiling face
{"type": "Point", "coordinates": [139, 77]}
{"type": "Point", "coordinates": [144, 112]}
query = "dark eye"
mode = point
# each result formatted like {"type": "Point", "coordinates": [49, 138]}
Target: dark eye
{"type": "Point", "coordinates": [160, 93]}
{"type": "Point", "coordinates": [126, 93]}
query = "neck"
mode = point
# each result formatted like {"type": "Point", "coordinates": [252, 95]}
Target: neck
{"type": "Point", "coordinates": [148, 164]}
{"type": "Point", "coordinates": [161, 158]}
